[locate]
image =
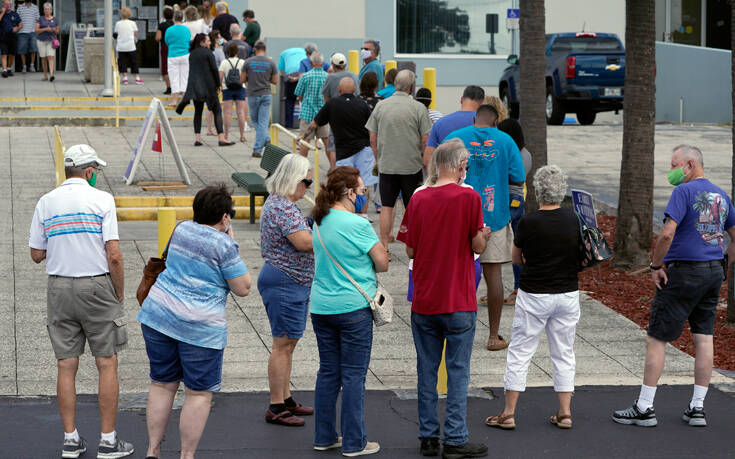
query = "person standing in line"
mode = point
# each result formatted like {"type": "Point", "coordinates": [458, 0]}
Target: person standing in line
{"type": "Point", "coordinates": [423, 95]}
{"type": "Point", "coordinates": [10, 23]}
{"type": "Point", "coordinates": [252, 30]}
{"type": "Point", "coordinates": [369, 55]}
{"type": "Point", "coordinates": [259, 72]}
{"type": "Point", "coordinates": [233, 93]}
{"type": "Point", "coordinates": [368, 88]}
{"type": "Point", "coordinates": [47, 29]}
{"type": "Point", "coordinates": [305, 65]}
{"type": "Point", "coordinates": [202, 88]}
{"type": "Point", "coordinates": [499, 106]}
{"type": "Point", "coordinates": [687, 269]}
{"type": "Point", "coordinates": [168, 16]}
{"type": "Point", "coordinates": [74, 228]}
{"type": "Point", "coordinates": [206, 17]}
{"type": "Point", "coordinates": [288, 67]}
{"type": "Point", "coordinates": [244, 50]}
{"type": "Point", "coordinates": [284, 282]}
{"type": "Point", "coordinates": [399, 127]}
{"type": "Point", "coordinates": [309, 92]}
{"type": "Point", "coordinates": [177, 38]}
{"type": "Point", "coordinates": [194, 23]}
{"type": "Point", "coordinates": [127, 52]}
{"type": "Point", "coordinates": [390, 88]}
{"type": "Point", "coordinates": [495, 162]}
{"type": "Point", "coordinates": [340, 314]}
{"type": "Point", "coordinates": [217, 47]}
{"type": "Point", "coordinates": [546, 245]}
{"type": "Point", "coordinates": [29, 16]}
{"type": "Point", "coordinates": [330, 88]}
{"type": "Point", "coordinates": [183, 318]}
{"type": "Point", "coordinates": [223, 21]}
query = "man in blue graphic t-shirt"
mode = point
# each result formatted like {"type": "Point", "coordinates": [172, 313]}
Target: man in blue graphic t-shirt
{"type": "Point", "coordinates": [687, 269]}
{"type": "Point", "coordinates": [494, 162]}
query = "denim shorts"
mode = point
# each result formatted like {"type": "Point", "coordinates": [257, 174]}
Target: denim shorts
{"type": "Point", "coordinates": [286, 302]}
{"type": "Point", "coordinates": [27, 43]}
{"type": "Point", "coordinates": [691, 293]}
{"type": "Point", "coordinates": [172, 360]}
{"type": "Point", "coordinates": [230, 94]}
{"type": "Point", "coordinates": [363, 161]}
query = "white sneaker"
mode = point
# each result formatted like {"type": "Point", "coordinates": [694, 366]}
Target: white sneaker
{"type": "Point", "coordinates": [371, 447]}
{"type": "Point", "coordinates": [337, 444]}
{"type": "Point", "coordinates": [24, 69]}
{"type": "Point", "coordinates": [32, 69]}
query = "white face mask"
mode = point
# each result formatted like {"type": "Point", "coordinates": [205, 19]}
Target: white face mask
{"type": "Point", "coordinates": [365, 54]}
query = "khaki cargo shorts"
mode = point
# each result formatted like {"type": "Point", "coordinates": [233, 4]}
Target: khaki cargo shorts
{"type": "Point", "coordinates": [322, 132]}
{"type": "Point", "coordinates": [84, 308]}
{"type": "Point", "coordinates": [499, 246]}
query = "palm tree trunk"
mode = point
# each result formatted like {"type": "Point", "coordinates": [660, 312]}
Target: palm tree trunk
{"type": "Point", "coordinates": [533, 87]}
{"type": "Point", "coordinates": [730, 283]}
{"type": "Point", "coordinates": [634, 228]}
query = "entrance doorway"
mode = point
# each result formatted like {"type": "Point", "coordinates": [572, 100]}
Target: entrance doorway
{"type": "Point", "coordinates": [146, 14]}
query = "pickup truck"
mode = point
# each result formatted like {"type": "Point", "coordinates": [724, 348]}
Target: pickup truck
{"type": "Point", "coordinates": [585, 74]}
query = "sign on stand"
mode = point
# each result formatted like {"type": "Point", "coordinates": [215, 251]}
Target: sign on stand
{"type": "Point", "coordinates": [75, 48]}
{"type": "Point", "coordinates": [584, 206]}
{"type": "Point", "coordinates": [155, 109]}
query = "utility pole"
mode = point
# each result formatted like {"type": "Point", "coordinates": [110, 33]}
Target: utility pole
{"type": "Point", "coordinates": [107, 91]}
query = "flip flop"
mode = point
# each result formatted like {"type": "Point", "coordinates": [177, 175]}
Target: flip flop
{"type": "Point", "coordinates": [507, 301]}
{"type": "Point", "coordinates": [499, 421]}
{"type": "Point", "coordinates": [558, 418]}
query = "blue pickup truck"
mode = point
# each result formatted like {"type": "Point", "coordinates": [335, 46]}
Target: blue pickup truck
{"type": "Point", "coordinates": [585, 74]}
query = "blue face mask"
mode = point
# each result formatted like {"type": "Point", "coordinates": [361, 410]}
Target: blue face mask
{"type": "Point", "coordinates": [360, 200]}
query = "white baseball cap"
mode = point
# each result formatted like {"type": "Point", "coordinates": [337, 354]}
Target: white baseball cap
{"type": "Point", "coordinates": [80, 155]}
{"type": "Point", "coordinates": [339, 59]}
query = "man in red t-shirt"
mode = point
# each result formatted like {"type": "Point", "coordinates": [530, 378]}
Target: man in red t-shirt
{"type": "Point", "coordinates": [441, 228]}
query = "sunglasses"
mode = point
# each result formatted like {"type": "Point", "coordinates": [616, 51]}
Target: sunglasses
{"type": "Point", "coordinates": [307, 182]}
{"type": "Point", "coordinates": [367, 49]}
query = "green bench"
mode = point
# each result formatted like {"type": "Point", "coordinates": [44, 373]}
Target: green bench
{"type": "Point", "coordinates": [253, 182]}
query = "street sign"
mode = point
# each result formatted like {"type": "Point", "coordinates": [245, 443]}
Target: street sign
{"type": "Point", "coordinates": [514, 13]}
{"type": "Point", "coordinates": [584, 206]}
{"type": "Point", "coordinates": [512, 19]}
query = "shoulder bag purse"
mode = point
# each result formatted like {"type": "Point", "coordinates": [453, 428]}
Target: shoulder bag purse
{"type": "Point", "coordinates": [593, 248]}
{"type": "Point", "coordinates": [153, 268]}
{"type": "Point", "coordinates": [381, 304]}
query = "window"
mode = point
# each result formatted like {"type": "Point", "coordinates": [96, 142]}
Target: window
{"type": "Point", "coordinates": [450, 27]}
{"type": "Point", "coordinates": [585, 45]}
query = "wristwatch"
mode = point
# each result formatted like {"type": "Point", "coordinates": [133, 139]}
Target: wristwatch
{"type": "Point", "coordinates": [654, 268]}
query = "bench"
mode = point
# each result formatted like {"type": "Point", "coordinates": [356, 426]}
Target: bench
{"type": "Point", "coordinates": [253, 182]}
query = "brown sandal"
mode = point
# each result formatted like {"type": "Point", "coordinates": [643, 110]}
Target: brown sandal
{"type": "Point", "coordinates": [496, 344]}
{"type": "Point", "coordinates": [558, 418]}
{"type": "Point", "coordinates": [499, 421]}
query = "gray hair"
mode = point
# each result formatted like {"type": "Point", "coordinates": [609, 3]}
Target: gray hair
{"type": "Point", "coordinates": [235, 30]}
{"type": "Point", "coordinates": [290, 171]}
{"type": "Point", "coordinates": [316, 59]}
{"type": "Point", "coordinates": [450, 155]}
{"type": "Point", "coordinates": [78, 171]}
{"type": "Point", "coordinates": [550, 183]}
{"type": "Point", "coordinates": [49, 5]}
{"type": "Point", "coordinates": [178, 16]}
{"type": "Point", "coordinates": [404, 80]}
{"type": "Point", "coordinates": [220, 7]}
{"type": "Point", "coordinates": [310, 48]}
{"type": "Point", "coordinates": [689, 152]}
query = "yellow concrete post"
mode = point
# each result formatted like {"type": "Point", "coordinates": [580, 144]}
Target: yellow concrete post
{"type": "Point", "coordinates": [59, 156]}
{"type": "Point", "coordinates": [316, 169]}
{"type": "Point", "coordinates": [441, 374]}
{"type": "Point", "coordinates": [354, 61]}
{"type": "Point", "coordinates": [166, 224]}
{"type": "Point", "coordinates": [390, 65]}
{"type": "Point", "coordinates": [430, 84]}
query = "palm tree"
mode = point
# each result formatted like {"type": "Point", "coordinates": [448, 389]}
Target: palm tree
{"type": "Point", "coordinates": [533, 86]}
{"type": "Point", "coordinates": [634, 228]}
{"type": "Point", "coordinates": [730, 284]}
{"type": "Point", "coordinates": [702, 202]}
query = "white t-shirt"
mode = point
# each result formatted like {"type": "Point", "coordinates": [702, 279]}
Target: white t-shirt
{"type": "Point", "coordinates": [125, 30]}
{"type": "Point", "coordinates": [196, 27]}
{"type": "Point", "coordinates": [72, 223]}
{"type": "Point", "coordinates": [228, 64]}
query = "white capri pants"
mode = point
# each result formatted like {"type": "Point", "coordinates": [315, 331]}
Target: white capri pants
{"type": "Point", "coordinates": [178, 73]}
{"type": "Point", "coordinates": [558, 313]}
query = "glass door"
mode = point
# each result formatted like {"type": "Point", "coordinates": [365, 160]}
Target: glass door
{"type": "Point", "coordinates": [146, 14]}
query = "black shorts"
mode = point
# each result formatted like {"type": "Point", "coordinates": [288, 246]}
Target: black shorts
{"type": "Point", "coordinates": [691, 293]}
{"type": "Point", "coordinates": [393, 184]}
{"type": "Point", "coordinates": [8, 45]}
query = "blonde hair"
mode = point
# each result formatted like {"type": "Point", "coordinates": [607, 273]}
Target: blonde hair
{"type": "Point", "coordinates": [191, 13]}
{"type": "Point", "coordinates": [498, 105]}
{"type": "Point", "coordinates": [125, 13]}
{"type": "Point", "coordinates": [287, 176]}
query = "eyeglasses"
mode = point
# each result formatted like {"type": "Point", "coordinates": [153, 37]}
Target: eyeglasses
{"type": "Point", "coordinates": [367, 49]}
{"type": "Point", "coordinates": [307, 182]}
{"type": "Point", "coordinates": [360, 190]}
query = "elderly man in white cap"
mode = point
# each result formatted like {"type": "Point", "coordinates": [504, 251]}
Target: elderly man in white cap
{"type": "Point", "coordinates": [74, 229]}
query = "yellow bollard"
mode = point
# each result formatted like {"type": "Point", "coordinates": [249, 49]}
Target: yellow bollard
{"type": "Point", "coordinates": [166, 224]}
{"type": "Point", "coordinates": [316, 170]}
{"type": "Point", "coordinates": [430, 84]}
{"type": "Point", "coordinates": [353, 61]}
{"type": "Point", "coordinates": [441, 374]}
{"type": "Point", "coordinates": [390, 65]}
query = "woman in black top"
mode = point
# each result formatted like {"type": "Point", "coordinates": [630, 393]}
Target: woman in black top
{"type": "Point", "coordinates": [546, 245]}
{"type": "Point", "coordinates": [168, 16]}
{"type": "Point", "coordinates": [203, 87]}
{"type": "Point", "coordinates": [368, 86]}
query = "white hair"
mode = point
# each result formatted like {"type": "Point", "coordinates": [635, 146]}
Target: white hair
{"type": "Point", "coordinates": [235, 30]}
{"type": "Point", "coordinates": [404, 80]}
{"type": "Point", "coordinates": [316, 59]}
{"type": "Point", "coordinates": [220, 7]}
{"type": "Point", "coordinates": [49, 5]}
{"type": "Point", "coordinates": [689, 152]}
{"type": "Point", "coordinates": [550, 183]}
{"type": "Point", "coordinates": [290, 171]}
{"type": "Point", "coordinates": [450, 154]}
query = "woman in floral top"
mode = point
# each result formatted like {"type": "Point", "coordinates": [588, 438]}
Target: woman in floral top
{"type": "Point", "coordinates": [285, 280]}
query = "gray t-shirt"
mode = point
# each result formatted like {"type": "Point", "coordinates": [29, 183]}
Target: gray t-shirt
{"type": "Point", "coordinates": [400, 122]}
{"type": "Point", "coordinates": [243, 49]}
{"type": "Point", "coordinates": [527, 164]}
{"type": "Point", "coordinates": [329, 88]}
{"type": "Point", "coordinates": [260, 71]}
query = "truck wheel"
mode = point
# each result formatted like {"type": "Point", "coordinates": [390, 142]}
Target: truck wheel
{"type": "Point", "coordinates": [554, 109]}
{"type": "Point", "coordinates": [510, 106]}
{"type": "Point", "coordinates": [586, 117]}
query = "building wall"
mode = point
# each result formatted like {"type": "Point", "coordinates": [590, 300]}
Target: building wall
{"type": "Point", "coordinates": [592, 15]}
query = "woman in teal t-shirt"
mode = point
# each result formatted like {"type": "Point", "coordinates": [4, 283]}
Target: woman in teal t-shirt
{"type": "Point", "coordinates": [177, 38]}
{"type": "Point", "coordinates": [340, 314]}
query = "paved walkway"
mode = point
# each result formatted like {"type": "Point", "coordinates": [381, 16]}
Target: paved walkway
{"type": "Point", "coordinates": [609, 347]}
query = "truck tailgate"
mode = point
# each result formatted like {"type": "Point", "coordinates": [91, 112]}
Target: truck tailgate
{"type": "Point", "coordinates": [602, 70]}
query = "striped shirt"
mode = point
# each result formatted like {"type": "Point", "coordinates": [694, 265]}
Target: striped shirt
{"type": "Point", "coordinates": [310, 88]}
{"type": "Point", "coordinates": [29, 15]}
{"type": "Point", "coordinates": [434, 115]}
{"type": "Point", "coordinates": [188, 300]}
{"type": "Point", "coordinates": [72, 223]}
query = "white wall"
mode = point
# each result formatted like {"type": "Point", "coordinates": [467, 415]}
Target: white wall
{"type": "Point", "coordinates": [597, 16]}
{"type": "Point", "coordinates": [311, 19]}
{"type": "Point", "coordinates": [447, 97]}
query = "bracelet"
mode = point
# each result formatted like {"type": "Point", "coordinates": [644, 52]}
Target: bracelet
{"type": "Point", "coordinates": [654, 268]}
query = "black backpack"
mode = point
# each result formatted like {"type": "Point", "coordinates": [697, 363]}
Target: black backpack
{"type": "Point", "coordinates": [232, 80]}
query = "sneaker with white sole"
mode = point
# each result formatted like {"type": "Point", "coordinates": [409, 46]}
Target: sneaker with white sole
{"type": "Point", "coordinates": [694, 417]}
{"type": "Point", "coordinates": [114, 450]}
{"type": "Point", "coordinates": [73, 448]}
{"type": "Point", "coordinates": [337, 444]}
{"type": "Point", "coordinates": [634, 416]}
{"type": "Point", "coordinates": [371, 447]}
{"type": "Point", "coordinates": [32, 68]}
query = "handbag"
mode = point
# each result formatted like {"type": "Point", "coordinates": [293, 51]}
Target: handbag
{"type": "Point", "coordinates": [152, 270]}
{"type": "Point", "coordinates": [55, 43]}
{"type": "Point", "coordinates": [381, 304]}
{"type": "Point", "coordinates": [593, 247]}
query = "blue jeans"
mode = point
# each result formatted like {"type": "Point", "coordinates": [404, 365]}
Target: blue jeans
{"type": "Point", "coordinates": [515, 216]}
{"type": "Point", "coordinates": [429, 333]}
{"type": "Point", "coordinates": [345, 341]}
{"type": "Point", "coordinates": [260, 110]}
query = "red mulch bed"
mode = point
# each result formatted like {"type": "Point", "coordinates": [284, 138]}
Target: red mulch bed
{"type": "Point", "coordinates": [630, 294]}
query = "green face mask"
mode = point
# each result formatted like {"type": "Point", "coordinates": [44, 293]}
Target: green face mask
{"type": "Point", "coordinates": [93, 180]}
{"type": "Point", "coordinates": [676, 176]}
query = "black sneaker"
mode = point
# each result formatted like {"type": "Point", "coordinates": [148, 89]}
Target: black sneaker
{"type": "Point", "coordinates": [633, 415]}
{"type": "Point", "coordinates": [694, 417]}
{"type": "Point", "coordinates": [429, 446]}
{"type": "Point", "coordinates": [462, 451]}
{"type": "Point", "coordinates": [73, 449]}
{"type": "Point", "coordinates": [10, 72]}
{"type": "Point", "coordinates": [114, 450]}
{"type": "Point", "coordinates": [167, 91]}
{"type": "Point", "coordinates": [5, 74]}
